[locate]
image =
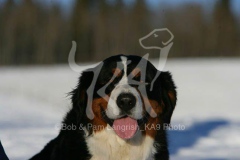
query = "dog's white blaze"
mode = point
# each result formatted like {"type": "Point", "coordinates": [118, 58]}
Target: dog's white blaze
{"type": "Point", "coordinates": [123, 87]}
{"type": "Point", "coordinates": [112, 109]}
{"type": "Point", "coordinates": [124, 79]}
{"type": "Point", "coordinates": [106, 145]}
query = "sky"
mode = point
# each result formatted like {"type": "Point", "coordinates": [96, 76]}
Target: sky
{"type": "Point", "coordinates": [207, 4]}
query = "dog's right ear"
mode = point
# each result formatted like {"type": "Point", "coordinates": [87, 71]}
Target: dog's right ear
{"type": "Point", "coordinates": [79, 94]}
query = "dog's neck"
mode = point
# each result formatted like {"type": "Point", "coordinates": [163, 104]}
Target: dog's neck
{"type": "Point", "coordinates": [106, 145]}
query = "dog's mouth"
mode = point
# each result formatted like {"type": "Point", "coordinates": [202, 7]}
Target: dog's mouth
{"type": "Point", "coordinates": [125, 127]}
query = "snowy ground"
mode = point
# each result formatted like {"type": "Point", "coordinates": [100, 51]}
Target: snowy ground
{"type": "Point", "coordinates": [34, 99]}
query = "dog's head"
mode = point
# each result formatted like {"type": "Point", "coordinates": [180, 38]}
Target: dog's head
{"type": "Point", "coordinates": [119, 93]}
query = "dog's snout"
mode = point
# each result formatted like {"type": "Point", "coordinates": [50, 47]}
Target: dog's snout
{"type": "Point", "coordinates": [126, 101]}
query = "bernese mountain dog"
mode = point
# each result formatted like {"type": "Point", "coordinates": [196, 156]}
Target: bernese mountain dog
{"type": "Point", "coordinates": [118, 112]}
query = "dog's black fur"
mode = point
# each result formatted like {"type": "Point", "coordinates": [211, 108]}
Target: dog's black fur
{"type": "Point", "coordinates": [71, 144]}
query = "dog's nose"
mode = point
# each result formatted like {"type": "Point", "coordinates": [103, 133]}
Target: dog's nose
{"type": "Point", "coordinates": [126, 101]}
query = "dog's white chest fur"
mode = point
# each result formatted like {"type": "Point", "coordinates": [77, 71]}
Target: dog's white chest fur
{"type": "Point", "coordinates": [106, 145]}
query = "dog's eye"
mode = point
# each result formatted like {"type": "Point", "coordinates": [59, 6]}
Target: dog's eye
{"type": "Point", "coordinates": [136, 78]}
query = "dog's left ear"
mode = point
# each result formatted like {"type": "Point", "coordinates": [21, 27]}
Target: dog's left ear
{"type": "Point", "coordinates": [79, 94]}
{"type": "Point", "coordinates": [169, 95]}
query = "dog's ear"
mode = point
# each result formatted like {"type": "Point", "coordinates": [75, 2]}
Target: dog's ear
{"type": "Point", "coordinates": [169, 96]}
{"type": "Point", "coordinates": [79, 94]}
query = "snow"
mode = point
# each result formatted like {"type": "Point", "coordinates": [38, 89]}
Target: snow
{"type": "Point", "coordinates": [33, 101]}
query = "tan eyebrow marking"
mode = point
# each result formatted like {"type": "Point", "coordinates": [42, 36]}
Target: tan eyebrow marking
{"type": "Point", "coordinates": [117, 72]}
{"type": "Point", "coordinates": [136, 72]}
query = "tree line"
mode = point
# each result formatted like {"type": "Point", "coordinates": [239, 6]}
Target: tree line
{"type": "Point", "coordinates": [31, 33]}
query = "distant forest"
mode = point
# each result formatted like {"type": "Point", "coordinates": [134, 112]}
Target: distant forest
{"type": "Point", "coordinates": [31, 33]}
